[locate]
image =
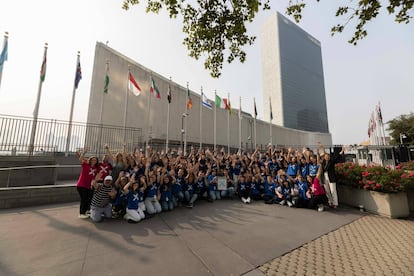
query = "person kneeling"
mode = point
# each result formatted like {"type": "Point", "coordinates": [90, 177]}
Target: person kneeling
{"type": "Point", "coordinates": [101, 201]}
{"type": "Point", "coordinates": [133, 211]}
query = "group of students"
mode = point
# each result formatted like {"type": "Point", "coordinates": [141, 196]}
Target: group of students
{"type": "Point", "coordinates": [140, 184]}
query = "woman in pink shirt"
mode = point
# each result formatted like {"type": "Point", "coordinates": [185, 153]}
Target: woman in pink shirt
{"type": "Point", "coordinates": [316, 192]}
{"type": "Point", "coordinates": [88, 173]}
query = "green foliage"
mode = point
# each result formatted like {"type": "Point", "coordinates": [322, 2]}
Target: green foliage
{"type": "Point", "coordinates": [214, 28]}
{"type": "Point", "coordinates": [403, 124]}
{"type": "Point", "coordinates": [361, 12]}
{"type": "Point", "coordinates": [376, 178]}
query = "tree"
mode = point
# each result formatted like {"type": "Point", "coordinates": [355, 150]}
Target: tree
{"type": "Point", "coordinates": [217, 28]}
{"type": "Point", "coordinates": [402, 125]}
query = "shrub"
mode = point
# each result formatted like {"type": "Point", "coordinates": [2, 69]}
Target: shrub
{"type": "Point", "coordinates": [375, 178]}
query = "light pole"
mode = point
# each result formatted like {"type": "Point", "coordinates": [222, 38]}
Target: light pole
{"type": "Point", "coordinates": [402, 136]}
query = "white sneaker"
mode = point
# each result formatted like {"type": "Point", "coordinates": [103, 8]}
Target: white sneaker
{"type": "Point", "coordinates": [289, 203]}
{"type": "Point", "coordinates": [83, 216]}
{"type": "Point", "coordinates": [248, 200]}
{"type": "Point", "coordinates": [321, 208]}
{"type": "Point", "coordinates": [283, 202]}
{"type": "Point", "coordinates": [244, 200]}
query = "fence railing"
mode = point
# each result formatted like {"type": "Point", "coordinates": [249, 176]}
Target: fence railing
{"type": "Point", "coordinates": [51, 137]}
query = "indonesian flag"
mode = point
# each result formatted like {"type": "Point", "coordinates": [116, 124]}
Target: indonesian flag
{"type": "Point", "coordinates": [133, 86]}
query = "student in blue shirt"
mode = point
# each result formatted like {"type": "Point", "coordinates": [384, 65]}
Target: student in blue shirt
{"type": "Point", "coordinates": [255, 192]}
{"type": "Point", "coordinates": [244, 189]}
{"type": "Point", "coordinates": [270, 190]}
{"type": "Point", "coordinates": [303, 187]}
{"type": "Point", "coordinates": [166, 197]}
{"type": "Point", "coordinates": [284, 194]}
{"type": "Point", "coordinates": [190, 189]}
{"type": "Point", "coordinates": [133, 212]}
{"type": "Point", "coordinates": [177, 188]}
{"type": "Point", "coordinates": [214, 194]}
{"type": "Point", "coordinates": [152, 192]}
{"type": "Point", "coordinates": [293, 167]}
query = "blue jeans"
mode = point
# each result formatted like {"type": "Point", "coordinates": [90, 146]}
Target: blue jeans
{"type": "Point", "coordinates": [178, 198]}
{"type": "Point", "coordinates": [167, 205]}
{"type": "Point", "coordinates": [228, 193]}
{"type": "Point", "coordinates": [214, 195]}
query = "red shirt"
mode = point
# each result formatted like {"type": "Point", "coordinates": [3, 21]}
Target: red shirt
{"type": "Point", "coordinates": [316, 187]}
{"type": "Point", "coordinates": [105, 168]}
{"type": "Point", "coordinates": [86, 176]}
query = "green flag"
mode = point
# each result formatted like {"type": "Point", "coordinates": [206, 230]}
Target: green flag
{"type": "Point", "coordinates": [43, 69]}
{"type": "Point", "coordinates": [106, 87]}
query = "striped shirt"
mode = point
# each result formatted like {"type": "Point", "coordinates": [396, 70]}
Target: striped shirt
{"type": "Point", "coordinates": [101, 196]}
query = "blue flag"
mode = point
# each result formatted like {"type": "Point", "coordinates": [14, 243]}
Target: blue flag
{"type": "Point", "coordinates": [78, 75]}
{"type": "Point", "coordinates": [3, 55]}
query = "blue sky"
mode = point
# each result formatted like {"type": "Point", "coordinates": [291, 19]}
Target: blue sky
{"type": "Point", "coordinates": [380, 68]}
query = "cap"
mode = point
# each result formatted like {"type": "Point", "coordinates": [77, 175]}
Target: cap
{"type": "Point", "coordinates": [108, 177]}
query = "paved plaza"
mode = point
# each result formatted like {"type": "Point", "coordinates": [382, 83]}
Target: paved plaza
{"type": "Point", "coordinates": [221, 238]}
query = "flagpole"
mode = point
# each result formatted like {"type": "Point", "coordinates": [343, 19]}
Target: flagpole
{"type": "Point", "coordinates": [228, 123]}
{"type": "Point", "coordinates": [148, 116]}
{"type": "Point", "coordinates": [36, 110]}
{"type": "Point", "coordinates": [6, 36]}
{"type": "Point", "coordinates": [270, 122]}
{"type": "Point", "coordinates": [255, 115]}
{"type": "Point", "coordinates": [382, 122]}
{"type": "Point", "coordinates": [240, 117]}
{"type": "Point", "coordinates": [215, 118]}
{"type": "Point", "coordinates": [71, 107]}
{"type": "Point", "coordinates": [106, 88]}
{"type": "Point", "coordinates": [185, 121]}
{"type": "Point", "coordinates": [201, 120]}
{"type": "Point", "coordinates": [168, 116]}
{"type": "Point", "coordinates": [126, 103]}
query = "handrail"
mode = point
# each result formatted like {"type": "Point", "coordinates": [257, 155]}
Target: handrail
{"type": "Point", "coordinates": [39, 166]}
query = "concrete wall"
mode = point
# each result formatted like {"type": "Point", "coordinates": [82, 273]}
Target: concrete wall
{"type": "Point", "coordinates": [33, 196]}
{"type": "Point", "coordinates": [146, 108]}
{"type": "Point", "coordinates": [37, 176]}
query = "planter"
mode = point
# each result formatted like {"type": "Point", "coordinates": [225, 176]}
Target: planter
{"type": "Point", "coordinates": [393, 205]}
{"type": "Point", "coordinates": [410, 197]}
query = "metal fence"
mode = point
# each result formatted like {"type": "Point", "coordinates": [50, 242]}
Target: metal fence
{"type": "Point", "coordinates": [51, 137]}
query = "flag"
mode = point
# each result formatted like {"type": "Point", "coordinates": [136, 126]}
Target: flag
{"type": "Point", "coordinates": [255, 109]}
{"type": "Point", "coordinates": [78, 75]}
{"type": "Point", "coordinates": [379, 114]}
{"type": "Point", "coordinates": [205, 102]}
{"type": "Point", "coordinates": [219, 102]}
{"type": "Point", "coordinates": [190, 101]}
{"type": "Point", "coordinates": [154, 89]}
{"type": "Point", "coordinates": [271, 112]}
{"type": "Point", "coordinates": [227, 105]}
{"type": "Point", "coordinates": [43, 69]}
{"type": "Point", "coordinates": [369, 128]}
{"type": "Point", "coordinates": [133, 86]}
{"type": "Point", "coordinates": [106, 87]}
{"type": "Point", "coordinates": [4, 54]}
{"type": "Point", "coordinates": [169, 96]}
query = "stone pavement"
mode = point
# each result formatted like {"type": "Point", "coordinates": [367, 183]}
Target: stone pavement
{"type": "Point", "coordinates": [371, 245]}
{"type": "Point", "coordinates": [222, 238]}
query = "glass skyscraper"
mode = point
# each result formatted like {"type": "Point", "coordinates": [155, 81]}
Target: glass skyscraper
{"type": "Point", "coordinates": [293, 76]}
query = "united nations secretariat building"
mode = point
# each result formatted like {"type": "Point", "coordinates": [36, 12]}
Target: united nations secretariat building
{"type": "Point", "coordinates": [292, 80]}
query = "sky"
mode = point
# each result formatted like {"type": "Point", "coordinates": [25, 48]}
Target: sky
{"type": "Point", "coordinates": [379, 69]}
